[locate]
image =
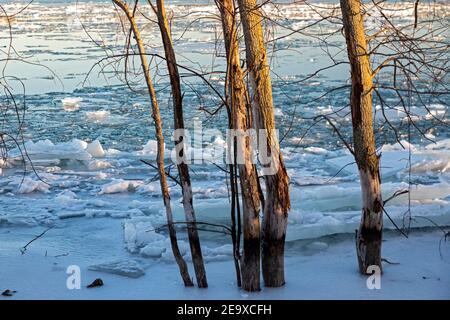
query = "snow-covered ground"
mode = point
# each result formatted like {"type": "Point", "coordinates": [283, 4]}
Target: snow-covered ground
{"type": "Point", "coordinates": [105, 213]}
{"type": "Point", "coordinates": [322, 268]}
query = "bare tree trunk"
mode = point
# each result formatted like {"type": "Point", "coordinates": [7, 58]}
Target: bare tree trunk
{"type": "Point", "coordinates": [235, 223]}
{"type": "Point", "coordinates": [183, 170]}
{"type": "Point", "coordinates": [368, 240]}
{"type": "Point", "coordinates": [160, 139]}
{"type": "Point", "coordinates": [250, 263]}
{"type": "Point", "coordinates": [277, 201]}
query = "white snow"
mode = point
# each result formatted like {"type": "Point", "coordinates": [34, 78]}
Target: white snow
{"type": "Point", "coordinates": [47, 150]}
{"type": "Point", "coordinates": [151, 251]}
{"type": "Point", "coordinates": [278, 112]}
{"type": "Point", "coordinates": [71, 104]}
{"type": "Point", "coordinates": [29, 185]}
{"type": "Point", "coordinates": [321, 204]}
{"type": "Point", "coordinates": [141, 236]}
{"type": "Point", "coordinates": [113, 152]}
{"type": "Point", "coordinates": [318, 269]}
{"type": "Point", "coordinates": [152, 188]}
{"type": "Point", "coordinates": [139, 233]}
{"type": "Point", "coordinates": [66, 197]}
{"type": "Point", "coordinates": [219, 142]}
{"type": "Point", "coordinates": [439, 145]}
{"type": "Point", "coordinates": [126, 267]}
{"type": "Point", "coordinates": [99, 164]}
{"type": "Point", "coordinates": [316, 150]}
{"type": "Point", "coordinates": [95, 149]}
{"type": "Point", "coordinates": [150, 149]}
{"type": "Point", "coordinates": [395, 159]}
{"type": "Point", "coordinates": [119, 185]}
{"type": "Point", "coordinates": [97, 116]}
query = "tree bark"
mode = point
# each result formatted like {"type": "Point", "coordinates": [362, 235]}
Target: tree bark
{"type": "Point", "coordinates": [277, 200]}
{"type": "Point", "coordinates": [183, 170]}
{"type": "Point", "coordinates": [369, 235]}
{"type": "Point", "coordinates": [160, 139]}
{"type": "Point", "coordinates": [235, 221]}
{"type": "Point", "coordinates": [250, 261]}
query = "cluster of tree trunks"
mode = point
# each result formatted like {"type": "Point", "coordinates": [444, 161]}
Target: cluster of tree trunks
{"type": "Point", "coordinates": [277, 201]}
{"type": "Point", "coordinates": [240, 120]}
{"type": "Point", "coordinates": [253, 108]}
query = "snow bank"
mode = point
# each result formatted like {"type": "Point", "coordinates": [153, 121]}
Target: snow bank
{"type": "Point", "coordinates": [422, 272]}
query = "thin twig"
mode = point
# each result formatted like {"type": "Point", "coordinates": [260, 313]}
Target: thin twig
{"type": "Point", "coordinates": [24, 248]}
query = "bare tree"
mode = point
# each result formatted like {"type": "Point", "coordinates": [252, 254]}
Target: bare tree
{"type": "Point", "coordinates": [368, 239]}
{"type": "Point", "coordinates": [182, 166]}
{"type": "Point", "coordinates": [277, 200]}
{"type": "Point", "coordinates": [238, 103]}
{"type": "Point", "coordinates": [160, 140]}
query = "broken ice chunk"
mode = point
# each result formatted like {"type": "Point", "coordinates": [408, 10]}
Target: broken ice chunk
{"type": "Point", "coordinates": [126, 268]}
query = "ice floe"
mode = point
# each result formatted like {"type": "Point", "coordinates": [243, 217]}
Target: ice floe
{"type": "Point", "coordinates": [71, 103]}
{"type": "Point", "coordinates": [125, 267]}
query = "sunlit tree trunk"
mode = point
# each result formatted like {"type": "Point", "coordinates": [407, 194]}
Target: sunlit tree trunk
{"type": "Point", "coordinates": [160, 139]}
{"type": "Point", "coordinates": [277, 201]}
{"type": "Point", "coordinates": [250, 262]}
{"type": "Point", "coordinates": [368, 240]}
{"type": "Point", "coordinates": [183, 169]}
